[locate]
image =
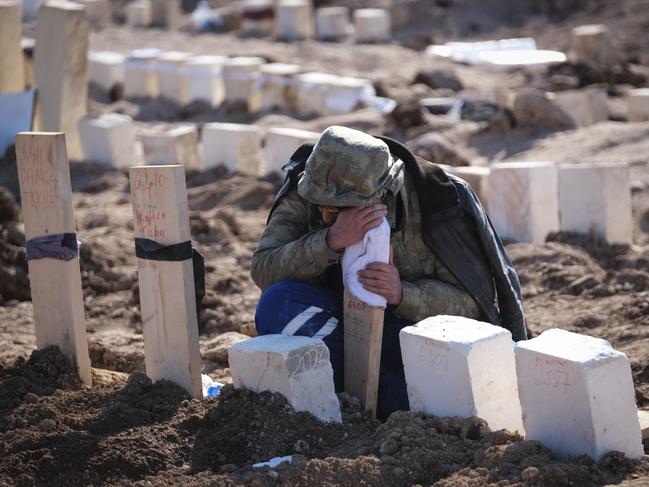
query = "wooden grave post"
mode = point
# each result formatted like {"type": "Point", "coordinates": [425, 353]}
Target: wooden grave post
{"type": "Point", "coordinates": [167, 300]}
{"type": "Point", "coordinates": [363, 337]}
{"type": "Point", "coordinates": [61, 70]}
{"type": "Point", "coordinates": [46, 193]}
{"type": "Point", "coordinates": [12, 72]}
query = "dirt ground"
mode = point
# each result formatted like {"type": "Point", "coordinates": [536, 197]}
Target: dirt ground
{"type": "Point", "coordinates": [127, 431]}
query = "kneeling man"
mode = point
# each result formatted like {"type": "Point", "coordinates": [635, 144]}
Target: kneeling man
{"type": "Point", "coordinates": [446, 258]}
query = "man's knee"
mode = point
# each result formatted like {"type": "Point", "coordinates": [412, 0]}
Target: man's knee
{"type": "Point", "coordinates": [292, 303]}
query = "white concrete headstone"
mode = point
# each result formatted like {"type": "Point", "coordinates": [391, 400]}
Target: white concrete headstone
{"type": "Point", "coordinates": [586, 107]}
{"type": "Point", "coordinates": [239, 76]}
{"type": "Point", "coordinates": [638, 105]}
{"type": "Point", "coordinates": [295, 366]}
{"type": "Point", "coordinates": [596, 198]}
{"type": "Point", "coordinates": [456, 366]}
{"type": "Point", "coordinates": [372, 25]}
{"type": "Point", "coordinates": [281, 143]}
{"type": "Point", "coordinates": [109, 139]}
{"type": "Point", "coordinates": [577, 395]}
{"type": "Point", "coordinates": [106, 68]}
{"type": "Point", "coordinates": [139, 13]}
{"type": "Point", "coordinates": [178, 145]}
{"type": "Point", "coordinates": [294, 19]}
{"type": "Point", "coordinates": [591, 44]}
{"type": "Point", "coordinates": [524, 200]}
{"type": "Point", "coordinates": [312, 92]}
{"type": "Point", "coordinates": [276, 87]}
{"type": "Point", "coordinates": [204, 79]}
{"type": "Point", "coordinates": [172, 76]}
{"type": "Point", "coordinates": [236, 146]}
{"type": "Point", "coordinates": [141, 74]}
{"type": "Point", "coordinates": [332, 23]}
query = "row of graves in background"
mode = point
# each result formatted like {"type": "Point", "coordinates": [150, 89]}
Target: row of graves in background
{"type": "Point", "coordinates": [285, 20]}
{"type": "Point", "coordinates": [59, 67]}
{"type": "Point", "coordinates": [590, 46]}
{"type": "Point", "coordinates": [572, 392]}
{"type": "Point", "coordinates": [248, 81]}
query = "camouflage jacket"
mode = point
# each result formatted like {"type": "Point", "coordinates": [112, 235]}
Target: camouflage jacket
{"type": "Point", "coordinates": [293, 247]}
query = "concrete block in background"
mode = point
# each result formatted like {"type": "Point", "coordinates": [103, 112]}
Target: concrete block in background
{"type": "Point", "coordinates": [172, 76]}
{"type": "Point", "coordinates": [106, 68]}
{"type": "Point", "coordinates": [99, 12]}
{"type": "Point", "coordinates": [12, 71]}
{"type": "Point", "coordinates": [204, 79]}
{"type": "Point", "coordinates": [236, 146]}
{"type": "Point", "coordinates": [476, 176]}
{"type": "Point", "coordinates": [239, 77]}
{"type": "Point", "coordinates": [586, 107]}
{"type": "Point", "coordinates": [591, 44]}
{"type": "Point", "coordinates": [523, 200]}
{"type": "Point", "coordinates": [276, 87]}
{"type": "Point", "coordinates": [177, 145]}
{"type": "Point", "coordinates": [166, 13]}
{"type": "Point", "coordinates": [294, 20]}
{"type": "Point", "coordinates": [61, 71]}
{"type": "Point", "coordinates": [312, 92]}
{"type": "Point", "coordinates": [258, 16]}
{"type": "Point", "coordinates": [456, 366]}
{"type": "Point", "coordinates": [281, 143]}
{"type": "Point", "coordinates": [346, 94]}
{"type": "Point", "coordinates": [372, 25]}
{"type": "Point", "coordinates": [638, 105]}
{"type": "Point", "coordinates": [139, 13]}
{"type": "Point", "coordinates": [109, 139]}
{"type": "Point", "coordinates": [141, 74]}
{"type": "Point", "coordinates": [332, 23]}
{"type": "Point", "coordinates": [596, 199]}
{"type": "Point", "coordinates": [577, 395]}
{"type": "Point", "coordinates": [296, 367]}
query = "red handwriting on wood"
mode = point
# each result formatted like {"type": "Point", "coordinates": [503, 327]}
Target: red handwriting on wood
{"type": "Point", "coordinates": [38, 179]}
{"type": "Point", "coordinates": [147, 181]}
{"type": "Point", "coordinates": [148, 220]}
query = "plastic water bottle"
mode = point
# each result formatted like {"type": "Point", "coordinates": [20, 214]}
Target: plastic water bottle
{"type": "Point", "coordinates": [214, 389]}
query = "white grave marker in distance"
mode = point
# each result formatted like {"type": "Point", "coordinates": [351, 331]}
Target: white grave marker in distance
{"type": "Point", "coordinates": [46, 192]}
{"type": "Point", "coordinates": [61, 70]}
{"type": "Point", "coordinates": [167, 300]}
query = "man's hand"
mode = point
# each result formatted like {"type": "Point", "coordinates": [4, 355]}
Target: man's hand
{"type": "Point", "coordinates": [352, 224]}
{"type": "Point", "coordinates": [384, 280]}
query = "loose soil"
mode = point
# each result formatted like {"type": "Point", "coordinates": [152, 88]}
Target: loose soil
{"type": "Point", "coordinates": [127, 431]}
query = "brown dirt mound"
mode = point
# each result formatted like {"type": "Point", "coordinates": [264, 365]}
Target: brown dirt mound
{"type": "Point", "coordinates": [55, 431]}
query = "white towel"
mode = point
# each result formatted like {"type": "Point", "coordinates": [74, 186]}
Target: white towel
{"type": "Point", "coordinates": [375, 247]}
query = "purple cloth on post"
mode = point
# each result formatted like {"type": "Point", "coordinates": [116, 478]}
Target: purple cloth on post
{"type": "Point", "coordinates": [63, 246]}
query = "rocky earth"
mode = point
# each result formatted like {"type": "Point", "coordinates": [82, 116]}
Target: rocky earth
{"type": "Point", "coordinates": [125, 430]}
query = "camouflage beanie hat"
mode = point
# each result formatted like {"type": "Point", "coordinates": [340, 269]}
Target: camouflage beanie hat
{"type": "Point", "coordinates": [349, 168]}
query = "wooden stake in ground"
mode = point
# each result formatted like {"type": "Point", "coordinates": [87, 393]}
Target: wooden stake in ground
{"type": "Point", "coordinates": [167, 300]}
{"type": "Point", "coordinates": [44, 176]}
{"type": "Point", "coordinates": [12, 72]}
{"type": "Point", "coordinates": [61, 70]}
{"type": "Point", "coordinates": [363, 336]}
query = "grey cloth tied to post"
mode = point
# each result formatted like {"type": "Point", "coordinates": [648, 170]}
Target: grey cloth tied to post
{"type": "Point", "coordinates": [151, 250]}
{"type": "Point", "coordinates": [62, 246]}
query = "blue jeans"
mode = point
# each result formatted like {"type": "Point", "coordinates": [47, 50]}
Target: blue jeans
{"type": "Point", "coordinates": [299, 308]}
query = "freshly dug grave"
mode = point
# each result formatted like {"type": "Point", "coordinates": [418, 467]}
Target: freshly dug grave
{"type": "Point", "coordinates": [55, 431]}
